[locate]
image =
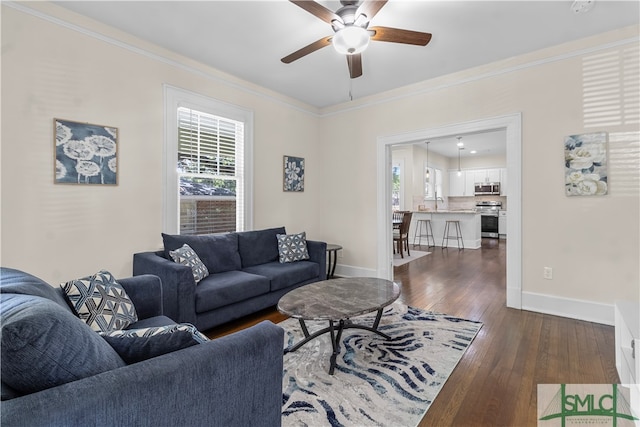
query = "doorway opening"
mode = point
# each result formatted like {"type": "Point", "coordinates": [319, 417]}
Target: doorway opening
{"type": "Point", "coordinates": [512, 124]}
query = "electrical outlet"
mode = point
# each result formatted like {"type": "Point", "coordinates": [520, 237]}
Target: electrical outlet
{"type": "Point", "coordinates": [547, 273]}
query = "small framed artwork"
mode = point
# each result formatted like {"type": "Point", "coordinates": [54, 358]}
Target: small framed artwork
{"type": "Point", "coordinates": [85, 153]}
{"type": "Point", "coordinates": [585, 160]}
{"type": "Point", "coordinates": [293, 173]}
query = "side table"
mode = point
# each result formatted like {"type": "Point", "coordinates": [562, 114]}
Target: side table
{"type": "Point", "coordinates": [332, 255]}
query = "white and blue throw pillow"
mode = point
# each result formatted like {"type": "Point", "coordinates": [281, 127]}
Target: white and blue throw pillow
{"type": "Point", "coordinates": [292, 247]}
{"type": "Point", "coordinates": [136, 345]}
{"type": "Point", "coordinates": [101, 302]}
{"type": "Point", "coordinates": [187, 256]}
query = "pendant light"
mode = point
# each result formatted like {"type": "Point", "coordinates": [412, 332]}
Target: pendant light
{"type": "Point", "coordinates": [427, 173]}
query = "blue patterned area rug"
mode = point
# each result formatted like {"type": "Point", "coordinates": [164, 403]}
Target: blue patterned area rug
{"type": "Point", "coordinates": [376, 382]}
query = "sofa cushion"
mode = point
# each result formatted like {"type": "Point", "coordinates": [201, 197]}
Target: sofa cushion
{"type": "Point", "coordinates": [284, 275]}
{"type": "Point", "coordinates": [150, 322]}
{"type": "Point", "coordinates": [292, 247]}
{"type": "Point", "coordinates": [229, 287]}
{"type": "Point", "coordinates": [187, 256]}
{"type": "Point", "coordinates": [18, 282]}
{"type": "Point", "coordinates": [218, 252]}
{"type": "Point", "coordinates": [136, 345]}
{"type": "Point", "coordinates": [44, 345]}
{"type": "Point", "coordinates": [259, 246]}
{"type": "Point", "coordinates": [101, 302]}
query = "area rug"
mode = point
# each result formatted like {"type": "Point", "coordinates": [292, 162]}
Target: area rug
{"type": "Point", "coordinates": [376, 382]}
{"type": "Point", "coordinates": [398, 261]}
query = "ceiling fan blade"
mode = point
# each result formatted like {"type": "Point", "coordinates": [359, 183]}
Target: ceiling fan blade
{"type": "Point", "coordinates": [317, 10]}
{"type": "Point", "coordinates": [396, 35]}
{"type": "Point", "coordinates": [370, 8]}
{"type": "Point", "coordinates": [318, 44]}
{"type": "Point", "coordinates": [355, 65]}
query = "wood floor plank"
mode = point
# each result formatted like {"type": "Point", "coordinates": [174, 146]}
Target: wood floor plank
{"type": "Point", "coordinates": [495, 383]}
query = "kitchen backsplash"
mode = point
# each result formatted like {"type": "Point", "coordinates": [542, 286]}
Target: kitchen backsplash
{"type": "Point", "coordinates": [456, 203]}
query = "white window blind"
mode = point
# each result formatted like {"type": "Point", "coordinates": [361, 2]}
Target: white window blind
{"type": "Point", "coordinates": [611, 89]}
{"type": "Point", "coordinates": [210, 173]}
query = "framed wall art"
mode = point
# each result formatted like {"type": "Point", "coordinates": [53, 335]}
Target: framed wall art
{"type": "Point", "coordinates": [585, 160]}
{"type": "Point", "coordinates": [85, 153]}
{"type": "Point", "coordinates": [293, 173]}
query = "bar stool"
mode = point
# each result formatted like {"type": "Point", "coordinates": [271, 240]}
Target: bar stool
{"type": "Point", "coordinates": [458, 236]}
{"type": "Point", "coordinates": [423, 224]}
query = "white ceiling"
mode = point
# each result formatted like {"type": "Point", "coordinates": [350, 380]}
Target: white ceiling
{"type": "Point", "coordinates": [248, 38]}
{"type": "Point", "coordinates": [490, 143]}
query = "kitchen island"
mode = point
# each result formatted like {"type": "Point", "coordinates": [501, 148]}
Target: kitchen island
{"type": "Point", "coordinates": [470, 223]}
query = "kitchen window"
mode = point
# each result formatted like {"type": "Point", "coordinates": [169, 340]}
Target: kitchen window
{"type": "Point", "coordinates": [207, 153]}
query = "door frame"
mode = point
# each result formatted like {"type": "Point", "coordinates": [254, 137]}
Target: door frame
{"type": "Point", "coordinates": [512, 123]}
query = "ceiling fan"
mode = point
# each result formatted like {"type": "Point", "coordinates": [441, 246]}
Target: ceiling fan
{"type": "Point", "coordinates": [350, 24]}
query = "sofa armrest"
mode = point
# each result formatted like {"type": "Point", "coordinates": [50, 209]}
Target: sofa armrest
{"type": "Point", "coordinates": [318, 253]}
{"type": "Point", "coordinates": [145, 292]}
{"type": "Point", "coordinates": [178, 285]}
{"type": "Point", "coordinates": [232, 381]}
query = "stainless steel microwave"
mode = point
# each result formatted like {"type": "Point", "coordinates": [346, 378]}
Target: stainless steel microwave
{"type": "Point", "coordinates": [487, 188]}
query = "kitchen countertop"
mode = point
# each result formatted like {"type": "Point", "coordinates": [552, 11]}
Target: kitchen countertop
{"type": "Point", "coordinates": [445, 211]}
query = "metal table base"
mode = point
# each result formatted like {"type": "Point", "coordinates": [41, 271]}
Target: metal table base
{"type": "Point", "coordinates": [336, 335]}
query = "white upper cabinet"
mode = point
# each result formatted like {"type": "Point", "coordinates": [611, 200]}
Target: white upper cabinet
{"type": "Point", "coordinates": [464, 185]}
{"type": "Point", "coordinates": [486, 175]}
{"type": "Point", "coordinates": [457, 184]}
{"type": "Point", "coordinates": [469, 184]}
{"type": "Point", "coordinates": [493, 175]}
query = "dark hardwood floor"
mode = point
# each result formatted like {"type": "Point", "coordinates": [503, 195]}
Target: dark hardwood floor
{"type": "Point", "coordinates": [495, 383]}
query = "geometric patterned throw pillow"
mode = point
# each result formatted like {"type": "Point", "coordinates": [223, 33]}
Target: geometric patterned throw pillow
{"type": "Point", "coordinates": [101, 302]}
{"type": "Point", "coordinates": [136, 345]}
{"type": "Point", "coordinates": [187, 256]}
{"type": "Point", "coordinates": [292, 247]}
{"type": "Point", "coordinates": [196, 335]}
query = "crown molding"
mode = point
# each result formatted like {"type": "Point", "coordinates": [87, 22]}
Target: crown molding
{"type": "Point", "coordinates": [487, 75]}
{"type": "Point", "coordinates": [366, 102]}
{"type": "Point", "coordinates": [158, 57]}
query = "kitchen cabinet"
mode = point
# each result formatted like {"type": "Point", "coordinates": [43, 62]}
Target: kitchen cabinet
{"type": "Point", "coordinates": [464, 185]}
{"type": "Point", "coordinates": [487, 175]}
{"type": "Point", "coordinates": [470, 225]}
{"type": "Point", "coordinates": [457, 184]}
{"type": "Point", "coordinates": [502, 224]}
{"type": "Point", "coordinates": [469, 184]}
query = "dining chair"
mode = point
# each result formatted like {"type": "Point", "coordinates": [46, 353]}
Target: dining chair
{"type": "Point", "coordinates": [396, 218]}
{"type": "Point", "coordinates": [401, 234]}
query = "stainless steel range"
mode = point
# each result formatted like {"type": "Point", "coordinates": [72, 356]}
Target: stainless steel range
{"type": "Point", "coordinates": [489, 212]}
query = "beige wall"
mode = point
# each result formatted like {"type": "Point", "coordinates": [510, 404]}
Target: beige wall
{"type": "Point", "coordinates": [592, 243]}
{"type": "Point", "coordinates": [59, 232]}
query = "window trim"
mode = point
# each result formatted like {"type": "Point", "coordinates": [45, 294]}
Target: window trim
{"type": "Point", "coordinates": [173, 98]}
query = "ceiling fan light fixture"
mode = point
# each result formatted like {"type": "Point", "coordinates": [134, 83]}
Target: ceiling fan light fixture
{"type": "Point", "coordinates": [350, 40]}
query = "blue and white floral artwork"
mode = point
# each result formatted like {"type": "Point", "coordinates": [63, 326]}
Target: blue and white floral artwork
{"type": "Point", "coordinates": [585, 159]}
{"type": "Point", "coordinates": [293, 173]}
{"type": "Point", "coordinates": [85, 153]}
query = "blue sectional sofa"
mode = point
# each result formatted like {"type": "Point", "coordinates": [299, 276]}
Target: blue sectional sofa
{"type": "Point", "coordinates": [73, 377]}
{"type": "Point", "coordinates": [245, 275]}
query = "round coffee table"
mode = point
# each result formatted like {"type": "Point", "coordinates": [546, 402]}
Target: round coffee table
{"type": "Point", "coordinates": [338, 300]}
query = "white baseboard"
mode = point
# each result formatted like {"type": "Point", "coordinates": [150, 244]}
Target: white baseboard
{"type": "Point", "coordinates": [351, 271]}
{"type": "Point", "coordinates": [568, 307]}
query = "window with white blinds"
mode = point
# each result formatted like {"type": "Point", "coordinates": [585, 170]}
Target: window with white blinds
{"type": "Point", "coordinates": [209, 165]}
